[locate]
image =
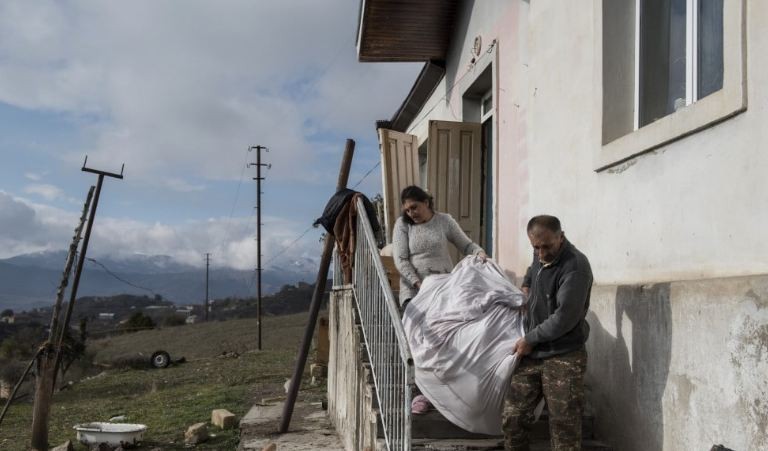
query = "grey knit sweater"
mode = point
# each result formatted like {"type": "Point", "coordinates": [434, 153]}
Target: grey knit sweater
{"type": "Point", "coordinates": [422, 249]}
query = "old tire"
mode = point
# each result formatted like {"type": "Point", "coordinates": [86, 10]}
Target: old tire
{"type": "Point", "coordinates": [160, 359]}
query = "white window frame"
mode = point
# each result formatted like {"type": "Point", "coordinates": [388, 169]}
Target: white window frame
{"type": "Point", "coordinates": [485, 115]}
{"type": "Point", "coordinates": [697, 115]}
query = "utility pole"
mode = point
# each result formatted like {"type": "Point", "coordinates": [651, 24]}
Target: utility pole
{"type": "Point", "coordinates": [47, 370]}
{"type": "Point", "coordinates": [317, 298]}
{"type": "Point", "coordinates": [207, 265]}
{"type": "Point", "coordinates": [258, 179]}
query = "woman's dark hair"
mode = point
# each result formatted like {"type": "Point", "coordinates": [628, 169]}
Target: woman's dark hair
{"type": "Point", "coordinates": [413, 192]}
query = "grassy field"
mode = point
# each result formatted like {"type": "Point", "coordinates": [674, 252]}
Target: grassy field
{"type": "Point", "coordinates": [171, 399]}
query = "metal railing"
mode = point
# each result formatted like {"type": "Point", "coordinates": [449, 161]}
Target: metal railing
{"type": "Point", "coordinates": [387, 346]}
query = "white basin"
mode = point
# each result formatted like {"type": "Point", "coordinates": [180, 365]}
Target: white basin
{"type": "Point", "coordinates": [115, 434]}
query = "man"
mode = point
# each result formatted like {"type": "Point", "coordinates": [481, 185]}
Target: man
{"type": "Point", "coordinates": [558, 285]}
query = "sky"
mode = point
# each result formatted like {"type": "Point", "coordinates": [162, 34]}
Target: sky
{"type": "Point", "coordinates": [178, 91]}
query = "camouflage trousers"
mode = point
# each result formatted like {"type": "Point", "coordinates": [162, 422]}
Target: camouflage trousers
{"type": "Point", "coordinates": [560, 380]}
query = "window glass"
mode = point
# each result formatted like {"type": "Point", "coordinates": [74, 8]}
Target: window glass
{"type": "Point", "coordinates": [487, 106]}
{"type": "Point", "coordinates": [662, 58]}
{"type": "Point", "coordinates": [710, 42]}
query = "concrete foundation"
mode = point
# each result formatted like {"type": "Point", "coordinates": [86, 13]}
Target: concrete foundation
{"type": "Point", "coordinates": [351, 403]}
{"type": "Point", "coordinates": [681, 365]}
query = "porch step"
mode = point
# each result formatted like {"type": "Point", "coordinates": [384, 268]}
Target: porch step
{"type": "Point", "coordinates": [493, 444]}
{"type": "Point", "coordinates": [433, 425]}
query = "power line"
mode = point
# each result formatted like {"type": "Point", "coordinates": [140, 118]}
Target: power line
{"type": "Point", "coordinates": [366, 174]}
{"type": "Point", "coordinates": [118, 277]}
{"type": "Point", "coordinates": [239, 184]}
{"type": "Point", "coordinates": [298, 238]}
{"type": "Point", "coordinates": [284, 249]}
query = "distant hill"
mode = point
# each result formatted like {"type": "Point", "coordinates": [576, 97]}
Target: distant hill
{"type": "Point", "coordinates": [29, 281]}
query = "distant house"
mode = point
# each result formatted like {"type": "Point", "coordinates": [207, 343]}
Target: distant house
{"type": "Point", "coordinates": [107, 316]}
{"type": "Point", "coordinates": [191, 319]}
{"type": "Point", "coordinates": [185, 310]}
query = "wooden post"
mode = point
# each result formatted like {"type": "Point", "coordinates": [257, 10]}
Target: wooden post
{"type": "Point", "coordinates": [46, 357]}
{"type": "Point", "coordinates": [317, 298]}
{"type": "Point", "coordinates": [16, 388]}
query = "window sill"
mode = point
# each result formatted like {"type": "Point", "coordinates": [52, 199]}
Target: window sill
{"type": "Point", "coordinates": [708, 111]}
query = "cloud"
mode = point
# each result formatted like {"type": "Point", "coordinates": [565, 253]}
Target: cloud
{"type": "Point", "coordinates": [177, 90]}
{"type": "Point", "coordinates": [30, 227]}
{"type": "Point", "coordinates": [183, 186]}
{"type": "Point", "coordinates": [47, 192]}
{"type": "Point", "coordinates": [184, 87]}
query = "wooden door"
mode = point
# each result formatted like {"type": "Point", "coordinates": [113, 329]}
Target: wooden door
{"type": "Point", "coordinates": [455, 174]}
{"type": "Point", "coordinates": [400, 168]}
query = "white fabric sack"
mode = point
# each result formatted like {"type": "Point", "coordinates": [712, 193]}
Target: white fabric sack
{"type": "Point", "coordinates": [461, 328]}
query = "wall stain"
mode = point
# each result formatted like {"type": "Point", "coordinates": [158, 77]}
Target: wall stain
{"type": "Point", "coordinates": [622, 167]}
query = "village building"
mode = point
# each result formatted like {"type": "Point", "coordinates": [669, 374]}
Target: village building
{"type": "Point", "coordinates": [641, 125]}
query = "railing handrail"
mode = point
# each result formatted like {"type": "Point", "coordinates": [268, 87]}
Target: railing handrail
{"type": "Point", "coordinates": [392, 307]}
{"type": "Point", "coordinates": [391, 364]}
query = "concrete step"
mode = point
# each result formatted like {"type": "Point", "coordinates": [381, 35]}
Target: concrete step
{"type": "Point", "coordinates": [490, 444]}
{"type": "Point", "coordinates": [434, 425]}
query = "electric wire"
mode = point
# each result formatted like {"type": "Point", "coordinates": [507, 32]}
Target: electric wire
{"type": "Point", "coordinates": [366, 174]}
{"type": "Point", "coordinates": [107, 270]}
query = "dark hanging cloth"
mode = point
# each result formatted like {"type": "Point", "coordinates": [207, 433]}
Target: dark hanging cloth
{"type": "Point", "coordinates": [337, 202]}
{"type": "Point", "coordinates": [340, 220]}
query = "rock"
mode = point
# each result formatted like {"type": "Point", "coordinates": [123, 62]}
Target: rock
{"type": "Point", "coordinates": [66, 446]}
{"type": "Point", "coordinates": [197, 433]}
{"type": "Point", "coordinates": [223, 418]}
{"type": "Point", "coordinates": [270, 447]}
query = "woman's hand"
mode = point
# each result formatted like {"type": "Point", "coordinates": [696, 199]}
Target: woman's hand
{"type": "Point", "coordinates": [417, 285]}
{"type": "Point", "coordinates": [483, 256]}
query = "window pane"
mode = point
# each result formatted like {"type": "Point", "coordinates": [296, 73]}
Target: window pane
{"type": "Point", "coordinates": [487, 105]}
{"type": "Point", "coordinates": [662, 58]}
{"type": "Point", "coordinates": [710, 76]}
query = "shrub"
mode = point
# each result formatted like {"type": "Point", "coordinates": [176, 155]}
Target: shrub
{"type": "Point", "coordinates": [138, 321]}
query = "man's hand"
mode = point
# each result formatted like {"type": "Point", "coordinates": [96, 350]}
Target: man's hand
{"type": "Point", "coordinates": [522, 347]}
{"type": "Point", "coordinates": [526, 290]}
{"type": "Point", "coordinates": [483, 256]}
{"type": "Point", "coordinates": [417, 285]}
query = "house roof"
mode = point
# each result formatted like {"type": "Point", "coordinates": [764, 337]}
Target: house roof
{"type": "Point", "coordinates": [406, 31]}
{"type": "Point", "coordinates": [425, 83]}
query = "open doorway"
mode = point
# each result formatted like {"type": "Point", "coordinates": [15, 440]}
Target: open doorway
{"type": "Point", "coordinates": [478, 106]}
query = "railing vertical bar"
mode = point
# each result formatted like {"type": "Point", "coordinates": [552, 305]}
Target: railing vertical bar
{"type": "Point", "coordinates": [385, 342]}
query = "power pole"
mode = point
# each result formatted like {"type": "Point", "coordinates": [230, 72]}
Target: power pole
{"type": "Point", "coordinates": [317, 298]}
{"type": "Point", "coordinates": [207, 265]}
{"type": "Point", "coordinates": [46, 370]}
{"type": "Point", "coordinates": [258, 179]}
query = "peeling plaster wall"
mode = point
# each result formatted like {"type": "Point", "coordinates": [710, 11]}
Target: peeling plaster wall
{"type": "Point", "coordinates": [350, 393]}
{"type": "Point", "coordinates": [681, 365]}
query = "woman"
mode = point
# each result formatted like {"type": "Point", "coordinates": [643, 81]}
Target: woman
{"type": "Point", "coordinates": [420, 248]}
{"type": "Point", "coordinates": [420, 241]}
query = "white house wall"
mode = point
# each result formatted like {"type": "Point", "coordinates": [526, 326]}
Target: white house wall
{"type": "Point", "coordinates": [676, 236]}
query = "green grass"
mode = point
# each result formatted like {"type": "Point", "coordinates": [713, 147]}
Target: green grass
{"type": "Point", "coordinates": [171, 399]}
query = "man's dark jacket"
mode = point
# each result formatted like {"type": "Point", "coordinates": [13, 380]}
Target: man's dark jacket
{"type": "Point", "coordinates": [558, 301]}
